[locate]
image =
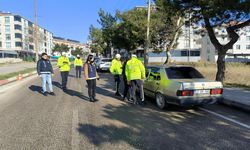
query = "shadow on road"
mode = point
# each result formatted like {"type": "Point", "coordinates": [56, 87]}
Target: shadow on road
{"type": "Point", "coordinates": [71, 92]}
{"type": "Point", "coordinates": [150, 128]}
{"type": "Point", "coordinates": [36, 88]}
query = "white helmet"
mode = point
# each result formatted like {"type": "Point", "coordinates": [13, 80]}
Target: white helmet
{"type": "Point", "coordinates": [117, 56]}
{"type": "Point", "coordinates": [133, 55]}
{"type": "Point", "coordinates": [78, 55]}
{"type": "Point", "coordinates": [64, 53]}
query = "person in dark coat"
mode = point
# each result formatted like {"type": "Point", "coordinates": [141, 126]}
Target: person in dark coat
{"type": "Point", "coordinates": [91, 75]}
{"type": "Point", "coordinates": [45, 71]}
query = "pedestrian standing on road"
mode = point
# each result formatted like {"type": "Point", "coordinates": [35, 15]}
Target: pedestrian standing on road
{"type": "Point", "coordinates": [91, 75]}
{"type": "Point", "coordinates": [64, 64]}
{"type": "Point", "coordinates": [125, 81]}
{"type": "Point", "coordinates": [116, 70]}
{"type": "Point", "coordinates": [135, 73]}
{"type": "Point", "coordinates": [45, 71]}
{"type": "Point", "coordinates": [78, 66]}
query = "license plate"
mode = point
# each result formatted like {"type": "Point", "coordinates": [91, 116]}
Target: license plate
{"type": "Point", "coordinates": [202, 92]}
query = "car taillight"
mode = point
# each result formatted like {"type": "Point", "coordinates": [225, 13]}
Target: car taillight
{"type": "Point", "coordinates": [185, 93]}
{"type": "Point", "coordinates": [216, 91]}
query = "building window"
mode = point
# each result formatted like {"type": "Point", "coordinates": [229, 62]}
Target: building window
{"type": "Point", "coordinates": [248, 38]}
{"type": "Point", "coordinates": [0, 44]}
{"type": "Point", "coordinates": [31, 47]}
{"type": "Point", "coordinates": [30, 32]}
{"type": "Point", "coordinates": [238, 47]}
{"type": "Point", "coordinates": [18, 27]}
{"type": "Point", "coordinates": [195, 53]}
{"type": "Point", "coordinates": [184, 53]}
{"type": "Point", "coordinates": [30, 24]}
{"type": "Point", "coordinates": [7, 28]}
{"type": "Point", "coordinates": [18, 35]}
{"type": "Point", "coordinates": [8, 37]}
{"type": "Point", "coordinates": [19, 44]}
{"type": "Point", "coordinates": [8, 44]}
{"type": "Point", "coordinates": [7, 20]}
{"type": "Point", "coordinates": [17, 18]}
{"type": "Point", "coordinates": [248, 47]}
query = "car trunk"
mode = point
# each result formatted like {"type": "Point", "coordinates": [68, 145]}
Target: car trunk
{"type": "Point", "coordinates": [198, 84]}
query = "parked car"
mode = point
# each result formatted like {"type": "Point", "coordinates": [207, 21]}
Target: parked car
{"type": "Point", "coordinates": [180, 85]}
{"type": "Point", "coordinates": [103, 64]}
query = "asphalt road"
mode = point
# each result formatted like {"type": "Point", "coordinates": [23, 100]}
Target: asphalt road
{"type": "Point", "coordinates": [30, 121]}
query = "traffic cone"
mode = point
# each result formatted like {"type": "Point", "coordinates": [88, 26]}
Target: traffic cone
{"type": "Point", "coordinates": [20, 77]}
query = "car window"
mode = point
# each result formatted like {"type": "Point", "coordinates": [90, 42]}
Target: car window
{"type": "Point", "coordinates": [183, 73]}
{"type": "Point", "coordinates": [106, 60]}
{"type": "Point", "coordinates": [155, 74]}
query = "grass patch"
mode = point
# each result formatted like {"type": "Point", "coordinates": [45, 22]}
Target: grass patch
{"type": "Point", "coordinates": [237, 74]}
{"type": "Point", "coordinates": [13, 74]}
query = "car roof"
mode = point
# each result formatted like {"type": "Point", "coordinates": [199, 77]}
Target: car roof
{"type": "Point", "coordinates": [171, 66]}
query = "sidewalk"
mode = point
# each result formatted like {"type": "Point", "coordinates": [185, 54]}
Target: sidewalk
{"type": "Point", "coordinates": [237, 97]}
{"type": "Point", "coordinates": [9, 68]}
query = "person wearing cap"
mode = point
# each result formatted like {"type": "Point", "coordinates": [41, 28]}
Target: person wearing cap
{"type": "Point", "coordinates": [45, 71]}
{"type": "Point", "coordinates": [116, 70]}
{"type": "Point", "coordinates": [91, 75]}
{"type": "Point", "coordinates": [135, 73]}
{"type": "Point", "coordinates": [64, 64]}
{"type": "Point", "coordinates": [78, 66]}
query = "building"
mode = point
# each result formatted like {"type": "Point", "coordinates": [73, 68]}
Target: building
{"type": "Point", "coordinates": [187, 50]}
{"type": "Point", "coordinates": [239, 53]}
{"type": "Point", "coordinates": [72, 44]}
{"type": "Point", "coordinates": [17, 37]}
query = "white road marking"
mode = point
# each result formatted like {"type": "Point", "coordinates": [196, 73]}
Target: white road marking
{"type": "Point", "coordinates": [75, 134]}
{"type": "Point", "coordinates": [226, 118]}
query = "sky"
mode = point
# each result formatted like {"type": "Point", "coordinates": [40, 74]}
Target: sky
{"type": "Point", "coordinates": [69, 19]}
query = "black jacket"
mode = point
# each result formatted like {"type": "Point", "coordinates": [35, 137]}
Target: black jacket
{"type": "Point", "coordinates": [44, 66]}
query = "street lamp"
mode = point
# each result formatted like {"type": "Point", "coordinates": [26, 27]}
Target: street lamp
{"type": "Point", "coordinates": [148, 38]}
{"type": "Point", "coordinates": [36, 32]}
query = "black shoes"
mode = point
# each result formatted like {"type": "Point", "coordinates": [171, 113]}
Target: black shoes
{"type": "Point", "coordinates": [52, 93]}
{"type": "Point", "coordinates": [44, 93]}
{"type": "Point", "coordinates": [93, 99]}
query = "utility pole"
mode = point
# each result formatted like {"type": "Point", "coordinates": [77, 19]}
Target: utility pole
{"type": "Point", "coordinates": [36, 32]}
{"type": "Point", "coordinates": [148, 38]}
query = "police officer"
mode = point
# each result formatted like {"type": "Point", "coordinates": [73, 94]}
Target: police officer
{"type": "Point", "coordinates": [135, 73]}
{"type": "Point", "coordinates": [64, 64]}
{"type": "Point", "coordinates": [116, 70]}
{"type": "Point", "coordinates": [78, 66]}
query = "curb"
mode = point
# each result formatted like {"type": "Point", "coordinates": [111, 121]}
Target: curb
{"type": "Point", "coordinates": [17, 78]}
{"type": "Point", "coordinates": [236, 104]}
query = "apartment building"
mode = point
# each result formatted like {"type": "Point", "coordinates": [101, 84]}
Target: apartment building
{"type": "Point", "coordinates": [239, 53]}
{"type": "Point", "coordinates": [17, 37]}
{"type": "Point", "coordinates": [72, 44]}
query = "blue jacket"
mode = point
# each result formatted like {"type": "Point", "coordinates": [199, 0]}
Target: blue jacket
{"type": "Point", "coordinates": [44, 66]}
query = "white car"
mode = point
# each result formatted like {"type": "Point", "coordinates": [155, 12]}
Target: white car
{"type": "Point", "coordinates": [103, 64]}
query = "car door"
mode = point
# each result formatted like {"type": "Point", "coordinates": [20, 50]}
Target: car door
{"type": "Point", "coordinates": [153, 81]}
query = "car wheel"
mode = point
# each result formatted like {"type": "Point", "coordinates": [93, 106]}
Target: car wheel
{"type": "Point", "coordinates": [160, 101]}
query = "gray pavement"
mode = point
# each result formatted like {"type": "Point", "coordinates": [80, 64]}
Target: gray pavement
{"type": "Point", "coordinates": [237, 97]}
{"type": "Point", "coordinates": [69, 121]}
{"type": "Point", "coordinates": [9, 68]}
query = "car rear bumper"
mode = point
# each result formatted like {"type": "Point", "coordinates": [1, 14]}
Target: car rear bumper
{"type": "Point", "coordinates": [192, 101]}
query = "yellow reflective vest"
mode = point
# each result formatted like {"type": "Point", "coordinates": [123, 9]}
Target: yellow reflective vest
{"type": "Point", "coordinates": [116, 67]}
{"type": "Point", "coordinates": [135, 70]}
{"type": "Point", "coordinates": [78, 62]}
{"type": "Point", "coordinates": [63, 63]}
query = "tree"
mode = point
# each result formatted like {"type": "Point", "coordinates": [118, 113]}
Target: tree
{"type": "Point", "coordinates": [131, 30]}
{"type": "Point", "coordinates": [168, 22]}
{"type": "Point", "coordinates": [108, 24]}
{"type": "Point", "coordinates": [77, 51]}
{"type": "Point", "coordinates": [97, 44]}
{"type": "Point", "coordinates": [60, 48]}
{"type": "Point", "coordinates": [232, 14]}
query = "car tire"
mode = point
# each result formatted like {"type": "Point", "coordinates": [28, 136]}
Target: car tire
{"type": "Point", "coordinates": [160, 101]}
